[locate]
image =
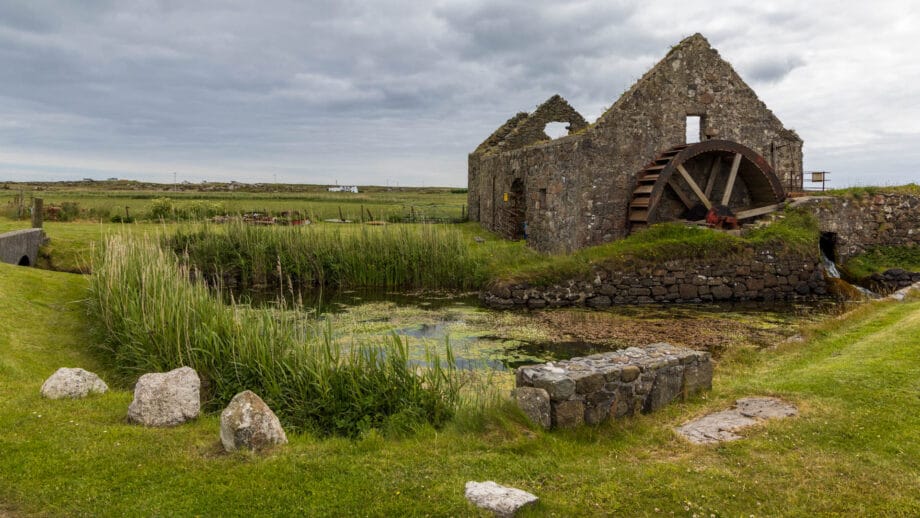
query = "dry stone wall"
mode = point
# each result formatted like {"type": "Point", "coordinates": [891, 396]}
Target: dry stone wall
{"type": "Point", "coordinates": [620, 383]}
{"type": "Point", "coordinates": [760, 275]}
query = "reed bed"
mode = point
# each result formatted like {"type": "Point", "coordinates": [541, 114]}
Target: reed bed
{"type": "Point", "coordinates": [394, 256]}
{"type": "Point", "coordinates": [153, 318]}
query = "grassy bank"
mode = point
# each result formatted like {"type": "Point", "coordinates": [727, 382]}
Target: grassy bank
{"type": "Point", "coordinates": [410, 256]}
{"type": "Point", "coordinates": [862, 191]}
{"type": "Point", "coordinates": [852, 451]}
{"type": "Point", "coordinates": [151, 318]}
{"type": "Point", "coordinates": [882, 258]}
{"type": "Point", "coordinates": [793, 230]}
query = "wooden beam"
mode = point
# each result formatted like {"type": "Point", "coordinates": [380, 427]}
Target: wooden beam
{"type": "Point", "coordinates": [731, 180]}
{"type": "Point", "coordinates": [759, 211]}
{"type": "Point", "coordinates": [713, 173]}
{"type": "Point", "coordinates": [693, 186]}
{"type": "Point", "coordinates": [680, 192]}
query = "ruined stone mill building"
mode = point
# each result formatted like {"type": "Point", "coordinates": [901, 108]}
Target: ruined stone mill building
{"type": "Point", "coordinates": [633, 166]}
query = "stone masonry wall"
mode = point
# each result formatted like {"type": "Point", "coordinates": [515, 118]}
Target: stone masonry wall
{"type": "Point", "coordinates": [866, 222]}
{"type": "Point", "coordinates": [19, 244]}
{"type": "Point", "coordinates": [757, 275]}
{"type": "Point", "coordinates": [616, 384]}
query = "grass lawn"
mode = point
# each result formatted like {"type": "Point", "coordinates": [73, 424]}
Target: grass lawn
{"type": "Point", "coordinates": [854, 449]}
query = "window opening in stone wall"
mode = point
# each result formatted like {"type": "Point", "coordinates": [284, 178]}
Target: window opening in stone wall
{"type": "Point", "coordinates": [541, 199]}
{"type": "Point", "coordinates": [693, 129]}
{"type": "Point", "coordinates": [556, 129]}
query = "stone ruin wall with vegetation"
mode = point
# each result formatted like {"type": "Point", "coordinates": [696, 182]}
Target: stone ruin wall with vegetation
{"type": "Point", "coordinates": [577, 188]}
{"type": "Point", "coordinates": [861, 223]}
{"type": "Point", "coordinates": [755, 275]}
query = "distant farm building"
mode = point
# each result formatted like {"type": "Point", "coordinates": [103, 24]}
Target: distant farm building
{"type": "Point", "coordinates": [637, 164]}
{"type": "Point", "coordinates": [344, 188]}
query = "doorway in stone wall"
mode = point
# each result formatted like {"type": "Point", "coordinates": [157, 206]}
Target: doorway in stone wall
{"type": "Point", "coordinates": [515, 213]}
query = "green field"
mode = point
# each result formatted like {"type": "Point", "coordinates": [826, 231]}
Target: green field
{"type": "Point", "coordinates": [99, 201]}
{"type": "Point", "coordinates": [852, 451]}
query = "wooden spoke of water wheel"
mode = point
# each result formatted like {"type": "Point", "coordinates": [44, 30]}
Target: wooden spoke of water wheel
{"type": "Point", "coordinates": [703, 175]}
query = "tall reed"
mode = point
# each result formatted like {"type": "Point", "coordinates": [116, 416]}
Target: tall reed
{"type": "Point", "coordinates": [395, 256]}
{"type": "Point", "coordinates": [153, 318]}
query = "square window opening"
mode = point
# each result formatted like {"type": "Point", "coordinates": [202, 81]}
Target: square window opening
{"type": "Point", "coordinates": [694, 129]}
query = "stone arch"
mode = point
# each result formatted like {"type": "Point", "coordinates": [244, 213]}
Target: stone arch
{"type": "Point", "coordinates": [24, 261]}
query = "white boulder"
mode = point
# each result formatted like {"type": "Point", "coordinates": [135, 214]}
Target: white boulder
{"type": "Point", "coordinates": [501, 500]}
{"type": "Point", "coordinates": [166, 398]}
{"type": "Point", "coordinates": [72, 383]}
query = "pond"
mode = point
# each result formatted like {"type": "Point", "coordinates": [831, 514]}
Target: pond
{"type": "Point", "coordinates": [481, 338]}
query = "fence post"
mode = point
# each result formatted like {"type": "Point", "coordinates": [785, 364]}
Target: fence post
{"type": "Point", "coordinates": [37, 207]}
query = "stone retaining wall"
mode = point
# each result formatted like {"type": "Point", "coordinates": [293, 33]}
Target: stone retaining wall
{"type": "Point", "coordinates": [755, 275]}
{"type": "Point", "coordinates": [866, 222]}
{"type": "Point", "coordinates": [616, 384]}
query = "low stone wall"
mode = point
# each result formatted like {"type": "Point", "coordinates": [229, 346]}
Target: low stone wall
{"type": "Point", "coordinates": [755, 275]}
{"type": "Point", "coordinates": [616, 384]}
{"type": "Point", "coordinates": [863, 223]}
{"type": "Point", "coordinates": [21, 246]}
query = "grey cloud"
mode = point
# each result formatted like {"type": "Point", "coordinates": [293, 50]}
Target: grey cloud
{"type": "Point", "coordinates": [303, 88]}
{"type": "Point", "coordinates": [772, 69]}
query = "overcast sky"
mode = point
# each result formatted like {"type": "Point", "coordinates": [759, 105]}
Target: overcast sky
{"type": "Point", "coordinates": [380, 92]}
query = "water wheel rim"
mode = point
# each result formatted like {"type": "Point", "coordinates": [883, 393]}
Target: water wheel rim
{"type": "Point", "coordinates": [643, 208]}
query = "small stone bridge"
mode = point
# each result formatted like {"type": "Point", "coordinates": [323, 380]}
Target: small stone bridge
{"type": "Point", "coordinates": [21, 246]}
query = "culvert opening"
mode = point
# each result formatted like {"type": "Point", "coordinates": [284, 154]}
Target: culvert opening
{"type": "Point", "coordinates": [828, 244]}
{"type": "Point", "coordinates": [25, 261]}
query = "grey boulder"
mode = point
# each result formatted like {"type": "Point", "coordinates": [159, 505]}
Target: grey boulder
{"type": "Point", "coordinates": [501, 500]}
{"type": "Point", "coordinates": [166, 398]}
{"type": "Point", "coordinates": [248, 423]}
{"type": "Point", "coordinates": [72, 383]}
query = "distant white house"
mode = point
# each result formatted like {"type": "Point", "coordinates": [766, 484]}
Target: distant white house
{"type": "Point", "coordinates": [344, 188]}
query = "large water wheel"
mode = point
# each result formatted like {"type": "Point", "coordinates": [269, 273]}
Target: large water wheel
{"type": "Point", "coordinates": [689, 182]}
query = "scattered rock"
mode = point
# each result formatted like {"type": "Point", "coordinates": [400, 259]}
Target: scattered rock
{"type": "Point", "coordinates": [248, 423]}
{"type": "Point", "coordinates": [902, 293]}
{"type": "Point", "coordinates": [534, 402]}
{"type": "Point", "coordinates": [166, 398]}
{"type": "Point", "coordinates": [765, 408]}
{"type": "Point", "coordinates": [501, 500]}
{"type": "Point", "coordinates": [72, 383]}
{"type": "Point", "coordinates": [747, 412]}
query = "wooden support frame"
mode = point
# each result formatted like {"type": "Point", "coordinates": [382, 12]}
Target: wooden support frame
{"type": "Point", "coordinates": [727, 195]}
{"type": "Point", "coordinates": [694, 187]}
{"type": "Point", "coordinates": [713, 174]}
